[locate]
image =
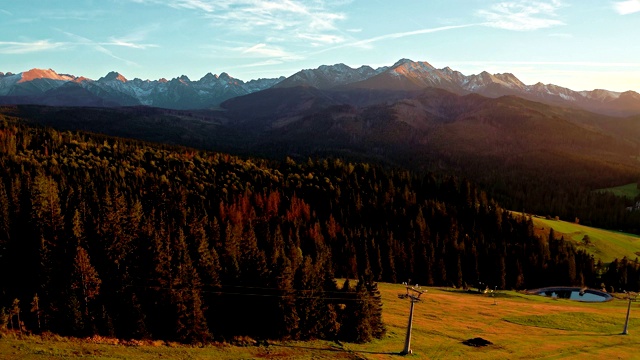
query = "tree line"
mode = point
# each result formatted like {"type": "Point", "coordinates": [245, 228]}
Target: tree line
{"type": "Point", "coordinates": [123, 238]}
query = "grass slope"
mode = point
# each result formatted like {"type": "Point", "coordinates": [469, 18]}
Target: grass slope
{"type": "Point", "coordinates": [605, 244]}
{"type": "Point", "coordinates": [519, 326]}
{"type": "Point", "coordinates": [630, 191]}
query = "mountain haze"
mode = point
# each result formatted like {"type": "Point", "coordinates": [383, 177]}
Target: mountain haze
{"type": "Point", "coordinates": [45, 87]}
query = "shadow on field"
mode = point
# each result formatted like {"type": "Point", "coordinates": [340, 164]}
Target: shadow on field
{"type": "Point", "coordinates": [336, 350]}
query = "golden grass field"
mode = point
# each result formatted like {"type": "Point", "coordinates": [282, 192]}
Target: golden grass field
{"type": "Point", "coordinates": [520, 326]}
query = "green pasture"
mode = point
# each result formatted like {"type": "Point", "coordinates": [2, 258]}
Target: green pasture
{"type": "Point", "coordinates": [630, 191]}
{"type": "Point", "coordinates": [604, 244]}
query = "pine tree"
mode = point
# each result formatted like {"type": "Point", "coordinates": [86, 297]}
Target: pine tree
{"type": "Point", "coordinates": [85, 278]}
{"type": "Point", "coordinates": [15, 311]}
{"type": "Point", "coordinates": [191, 324]}
{"type": "Point", "coordinates": [356, 326]}
{"type": "Point", "coordinates": [35, 308]}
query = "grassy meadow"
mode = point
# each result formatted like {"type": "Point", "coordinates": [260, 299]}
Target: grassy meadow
{"type": "Point", "coordinates": [630, 191]}
{"type": "Point", "coordinates": [519, 326]}
{"type": "Point", "coordinates": [604, 244]}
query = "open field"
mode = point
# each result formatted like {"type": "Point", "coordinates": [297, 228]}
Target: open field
{"type": "Point", "coordinates": [605, 244]}
{"type": "Point", "coordinates": [630, 190]}
{"type": "Point", "coordinates": [519, 326]}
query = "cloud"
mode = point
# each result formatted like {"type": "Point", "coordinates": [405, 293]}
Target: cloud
{"type": "Point", "coordinates": [17, 47]}
{"type": "Point", "coordinates": [267, 53]}
{"type": "Point", "coordinates": [279, 15]}
{"type": "Point", "coordinates": [522, 15]}
{"type": "Point", "coordinates": [262, 50]}
{"type": "Point", "coordinates": [192, 4]}
{"type": "Point", "coordinates": [366, 43]}
{"type": "Point", "coordinates": [133, 40]}
{"type": "Point", "coordinates": [314, 17]}
{"type": "Point", "coordinates": [3, 11]}
{"type": "Point", "coordinates": [322, 39]}
{"type": "Point", "coordinates": [626, 7]}
{"type": "Point", "coordinates": [125, 43]}
{"type": "Point", "coordinates": [83, 41]}
{"type": "Point", "coordinates": [203, 5]}
{"type": "Point", "coordinates": [258, 64]}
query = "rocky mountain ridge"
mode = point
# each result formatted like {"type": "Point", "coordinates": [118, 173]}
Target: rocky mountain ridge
{"type": "Point", "coordinates": [46, 87]}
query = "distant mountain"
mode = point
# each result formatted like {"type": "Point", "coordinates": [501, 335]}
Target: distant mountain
{"type": "Point", "coordinates": [410, 76]}
{"type": "Point", "coordinates": [363, 86]}
{"type": "Point", "coordinates": [46, 87]}
{"type": "Point", "coordinates": [327, 77]}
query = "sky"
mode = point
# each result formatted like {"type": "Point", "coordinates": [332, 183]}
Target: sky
{"type": "Point", "coordinates": [579, 44]}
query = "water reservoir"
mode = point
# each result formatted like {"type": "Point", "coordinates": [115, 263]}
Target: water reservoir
{"type": "Point", "coordinates": [574, 293]}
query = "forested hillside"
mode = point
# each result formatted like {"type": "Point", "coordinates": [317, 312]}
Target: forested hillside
{"type": "Point", "coordinates": [528, 156]}
{"type": "Point", "coordinates": [137, 240]}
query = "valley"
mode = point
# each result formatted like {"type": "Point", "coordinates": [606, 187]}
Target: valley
{"type": "Point", "coordinates": [374, 175]}
{"type": "Point", "coordinates": [240, 179]}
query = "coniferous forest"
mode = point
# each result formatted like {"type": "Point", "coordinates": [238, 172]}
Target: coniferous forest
{"type": "Point", "coordinates": [121, 238]}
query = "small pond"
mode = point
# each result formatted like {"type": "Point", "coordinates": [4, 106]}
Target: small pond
{"type": "Point", "coordinates": [574, 293]}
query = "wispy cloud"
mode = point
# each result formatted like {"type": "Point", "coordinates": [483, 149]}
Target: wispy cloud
{"type": "Point", "coordinates": [124, 43]}
{"type": "Point", "coordinates": [626, 7]}
{"type": "Point", "coordinates": [18, 47]}
{"type": "Point", "coordinates": [192, 4]}
{"type": "Point", "coordinates": [278, 15]}
{"type": "Point", "coordinates": [316, 18]}
{"type": "Point", "coordinates": [262, 50]}
{"type": "Point", "coordinates": [267, 53]}
{"type": "Point", "coordinates": [258, 64]}
{"type": "Point", "coordinates": [522, 15]}
{"type": "Point", "coordinates": [83, 41]}
{"type": "Point", "coordinates": [322, 39]}
{"type": "Point", "coordinates": [366, 43]}
{"type": "Point", "coordinates": [133, 40]}
{"type": "Point", "coordinates": [3, 11]}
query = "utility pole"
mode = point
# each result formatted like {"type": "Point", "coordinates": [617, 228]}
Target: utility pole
{"type": "Point", "coordinates": [414, 297]}
{"type": "Point", "coordinates": [631, 297]}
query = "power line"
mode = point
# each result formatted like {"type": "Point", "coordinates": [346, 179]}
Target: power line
{"type": "Point", "coordinates": [259, 295]}
{"type": "Point", "coordinates": [261, 287]}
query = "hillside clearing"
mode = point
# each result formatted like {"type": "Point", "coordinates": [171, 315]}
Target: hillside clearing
{"type": "Point", "coordinates": [603, 244]}
{"type": "Point", "coordinates": [630, 191]}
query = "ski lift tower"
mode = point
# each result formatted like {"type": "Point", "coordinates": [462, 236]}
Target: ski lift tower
{"type": "Point", "coordinates": [413, 294]}
{"type": "Point", "coordinates": [631, 296]}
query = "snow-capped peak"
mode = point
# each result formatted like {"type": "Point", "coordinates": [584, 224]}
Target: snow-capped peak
{"type": "Point", "coordinates": [600, 94]}
{"type": "Point", "coordinates": [224, 76]}
{"type": "Point", "coordinates": [413, 65]}
{"type": "Point", "coordinates": [401, 62]}
{"type": "Point", "coordinates": [208, 78]}
{"type": "Point", "coordinates": [111, 76]}
{"type": "Point", "coordinates": [43, 74]}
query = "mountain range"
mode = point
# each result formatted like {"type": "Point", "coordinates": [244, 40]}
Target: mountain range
{"type": "Point", "coordinates": [46, 87]}
{"type": "Point", "coordinates": [520, 142]}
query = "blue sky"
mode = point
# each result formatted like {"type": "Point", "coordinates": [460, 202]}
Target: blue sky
{"type": "Point", "coordinates": [580, 44]}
